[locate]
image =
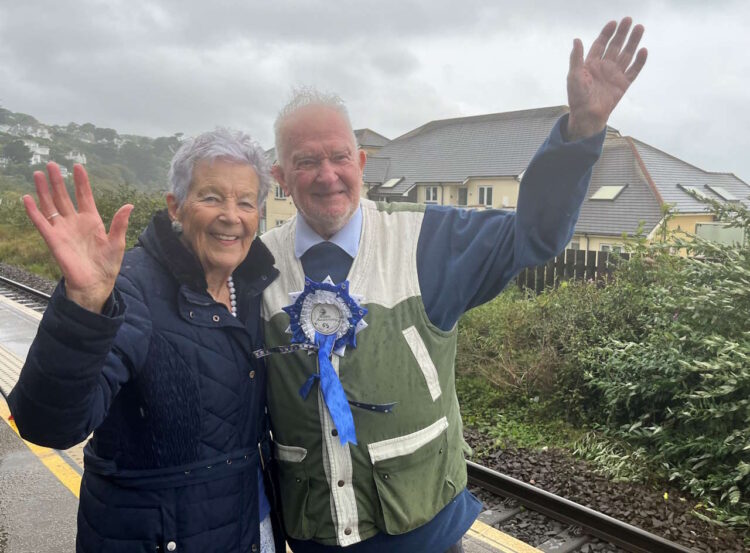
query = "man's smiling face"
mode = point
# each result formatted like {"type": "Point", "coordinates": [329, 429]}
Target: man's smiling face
{"type": "Point", "coordinates": [321, 167]}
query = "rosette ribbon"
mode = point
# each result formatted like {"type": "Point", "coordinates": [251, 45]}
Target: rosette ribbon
{"type": "Point", "coordinates": [326, 316]}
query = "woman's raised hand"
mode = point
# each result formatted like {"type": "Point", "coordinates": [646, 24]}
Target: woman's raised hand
{"type": "Point", "coordinates": [88, 257]}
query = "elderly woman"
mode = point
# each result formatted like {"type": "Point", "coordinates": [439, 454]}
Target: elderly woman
{"type": "Point", "coordinates": [153, 353]}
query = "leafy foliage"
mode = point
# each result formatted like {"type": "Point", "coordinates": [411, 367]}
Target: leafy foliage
{"type": "Point", "coordinates": [659, 360]}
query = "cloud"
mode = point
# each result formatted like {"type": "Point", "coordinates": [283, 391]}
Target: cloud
{"type": "Point", "coordinates": [160, 68]}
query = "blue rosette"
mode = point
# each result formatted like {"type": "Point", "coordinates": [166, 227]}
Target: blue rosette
{"type": "Point", "coordinates": [326, 316]}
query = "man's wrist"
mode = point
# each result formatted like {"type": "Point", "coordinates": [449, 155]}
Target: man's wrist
{"type": "Point", "coordinates": [580, 127]}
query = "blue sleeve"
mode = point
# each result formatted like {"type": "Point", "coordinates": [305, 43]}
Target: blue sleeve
{"type": "Point", "coordinates": [466, 257]}
{"type": "Point", "coordinates": [75, 367]}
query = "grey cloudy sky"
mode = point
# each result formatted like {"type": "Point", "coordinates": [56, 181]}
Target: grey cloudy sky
{"type": "Point", "coordinates": [157, 68]}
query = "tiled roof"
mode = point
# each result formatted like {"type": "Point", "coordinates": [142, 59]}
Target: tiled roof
{"type": "Point", "coordinates": [638, 202]}
{"type": "Point", "coordinates": [368, 137]}
{"type": "Point", "coordinates": [667, 172]}
{"type": "Point", "coordinates": [376, 169]}
{"type": "Point", "coordinates": [451, 150]}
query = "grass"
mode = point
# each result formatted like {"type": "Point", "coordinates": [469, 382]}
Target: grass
{"type": "Point", "coordinates": [510, 422]}
{"type": "Point", "coordinates": [23, 247]}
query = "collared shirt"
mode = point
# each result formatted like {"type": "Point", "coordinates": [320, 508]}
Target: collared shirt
{"type": "Point", "coordinates": [347, 238]}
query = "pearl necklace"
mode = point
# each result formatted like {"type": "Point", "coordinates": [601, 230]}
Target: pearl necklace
{"type": "Point", "coordinates": [232, 296]}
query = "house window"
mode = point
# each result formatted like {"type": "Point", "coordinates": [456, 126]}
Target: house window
{"type": "Point", "coordinates": [431, 195]}
{"type": "Point", "coordinates": [280, 222]}
{"type": "Point", "coordinates": [485, 195]}
{"type": "Point", "coordinates": [278, 193]}
{"type": "Point", "coordinates": [722, 192]}
{"type": "Point", "coordinates": [605, 248]}
{"type": "Point", "coordinates": [575, 245]}
{"type": "Point", "coordinates": [617, 249]}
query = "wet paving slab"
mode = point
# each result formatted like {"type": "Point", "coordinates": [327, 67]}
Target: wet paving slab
{"type": "Point", "coordinates": [18, 325]}
{"type": "Point", "coordinates": [37, 512]}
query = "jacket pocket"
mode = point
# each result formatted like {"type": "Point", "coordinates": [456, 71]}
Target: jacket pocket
{"type": "Point", "coordinates": [294, 483]}
{"type": "Point", "coordinates": [411, 477]}
{"type": "Point", "coordinates": [121, 530]}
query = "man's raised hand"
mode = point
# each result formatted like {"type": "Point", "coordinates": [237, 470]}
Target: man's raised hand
{"type": "Point", "coordinates": [596, 84]}
{"type": "Point", "coordinates": [88, 257]}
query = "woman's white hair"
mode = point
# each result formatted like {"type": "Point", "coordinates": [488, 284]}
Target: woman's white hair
{"type": "Point", "coordinates": [301, 98]}
{"type": "Point", "coordinates": [224, 144]}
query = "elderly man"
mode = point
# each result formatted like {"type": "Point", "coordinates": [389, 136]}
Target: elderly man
{"type": "Point", "coordinates": [365, 417]}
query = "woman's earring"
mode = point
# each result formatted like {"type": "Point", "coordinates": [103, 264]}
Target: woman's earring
{"type": "Point", "coordinates": [177, 227]}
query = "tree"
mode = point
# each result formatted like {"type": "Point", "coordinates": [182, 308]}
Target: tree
{"type": "Point", "coordinates": [17, 152]}
{"type": "Point", "coordinates": [107, 135]}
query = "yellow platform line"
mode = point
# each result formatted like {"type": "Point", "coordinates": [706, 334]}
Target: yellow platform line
{"type": "Point", "coordinates": [49, 457]}
{"type": "Point", "coordinates": [495, 538]}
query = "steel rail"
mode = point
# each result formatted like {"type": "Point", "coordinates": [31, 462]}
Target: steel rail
{"type": "Point", "coordinates": [24, 288]}
{"type": "Point", "coordinates": [597, 524]}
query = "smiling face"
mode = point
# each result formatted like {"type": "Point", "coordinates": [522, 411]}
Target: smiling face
{"type": "Point", "coordinates": [219, 215]}
{"type": "Point", "coordinates": [321, 167]}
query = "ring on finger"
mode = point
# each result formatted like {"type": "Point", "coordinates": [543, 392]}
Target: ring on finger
{"type": "Point", "coordinates": [52, 216]}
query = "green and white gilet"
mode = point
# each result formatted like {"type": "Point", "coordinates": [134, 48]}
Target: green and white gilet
{"type": "Point", "coordinates": [408, 463]}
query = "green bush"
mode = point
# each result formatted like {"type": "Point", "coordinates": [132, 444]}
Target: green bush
{"type": "Point", "coordinates": [659, 359]}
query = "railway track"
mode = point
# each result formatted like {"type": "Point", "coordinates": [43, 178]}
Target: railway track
{"type": "Point", "coordinates": [577, 528]}
{"type": "Point", "coordinates": [561, 525]}
{"type": "Point", "coordinates": [25, 295]}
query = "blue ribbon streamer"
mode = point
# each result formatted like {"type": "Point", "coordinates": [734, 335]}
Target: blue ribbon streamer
{"type": "Point", "coordinates": [333, 391]}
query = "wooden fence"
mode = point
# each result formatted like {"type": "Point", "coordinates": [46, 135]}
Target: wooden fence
{"type": "Point", "coordinates": [570, 265]}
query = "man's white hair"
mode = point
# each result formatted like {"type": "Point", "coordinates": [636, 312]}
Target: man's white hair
{"type": "Point", "coordinates": [303, 97]}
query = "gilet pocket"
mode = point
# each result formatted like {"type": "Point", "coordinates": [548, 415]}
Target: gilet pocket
{"type": "Point", "coordinates": [410, 474]}
{"type": "Point", "coordinates": [295, 487]}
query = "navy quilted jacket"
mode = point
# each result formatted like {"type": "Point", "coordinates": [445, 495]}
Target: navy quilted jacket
{"type": "Point", "coordinates": [167, 382]}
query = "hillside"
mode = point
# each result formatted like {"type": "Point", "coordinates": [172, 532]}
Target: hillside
{"type": "Point", "coordinates": [112, 159]}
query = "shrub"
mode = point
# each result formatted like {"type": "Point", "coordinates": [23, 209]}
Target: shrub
{"type": "Point", "coordinates": [659, 358]}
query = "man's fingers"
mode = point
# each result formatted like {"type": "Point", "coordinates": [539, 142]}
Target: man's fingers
{"type": "Point", "coordinates": [60, 196]}
{"type": "Point", "coordinates": [576, 55]}
{"type": "Point", "coordinates": [640, 61]}
{"type": "Point", "coordinates": [597, 48]}
{"type": "Point", "coordinates": [627, 54]}
{"type": "Point", "coordinates": [84, 196]}
{"type": "Point", "coordinates": [615, 45]}
{"type": "Point", "coordinates": [119, 225]}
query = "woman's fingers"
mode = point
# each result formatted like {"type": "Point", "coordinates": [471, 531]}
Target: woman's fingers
{"type": "Point", "coordinates": [38, 218]}
{"type": "Point", "coordinates": [84, 196]}
{"type": "Point", "coordinates": [60, 196]}
{"type": "Point", "coordinates": [119, 225]}
{"type": "Point", "coordinates": [46, 204]}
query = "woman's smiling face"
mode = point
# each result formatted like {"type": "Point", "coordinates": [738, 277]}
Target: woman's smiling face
{"type": "Point", "coordinates": [219, 215]}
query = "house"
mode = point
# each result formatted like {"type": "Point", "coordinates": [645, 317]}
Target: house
{"type": "Point", "coordinates": [370, 141]}
{"type": "Point", "coordinates": [467, 161]}
{"type": "Point", "coordinates": [478, 162]}
{"type": "Point", "coordinates": [76, 157]}
{"type": "Point", "coordinates": [39, 154]}
{"type": "Point", "coordinates": [30, 130]}
{"type": "Point", "coordinates": [634, 182]}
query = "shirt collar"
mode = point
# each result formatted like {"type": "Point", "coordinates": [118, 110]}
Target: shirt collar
{"type": "Point", "coordinates": [347, 238]}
